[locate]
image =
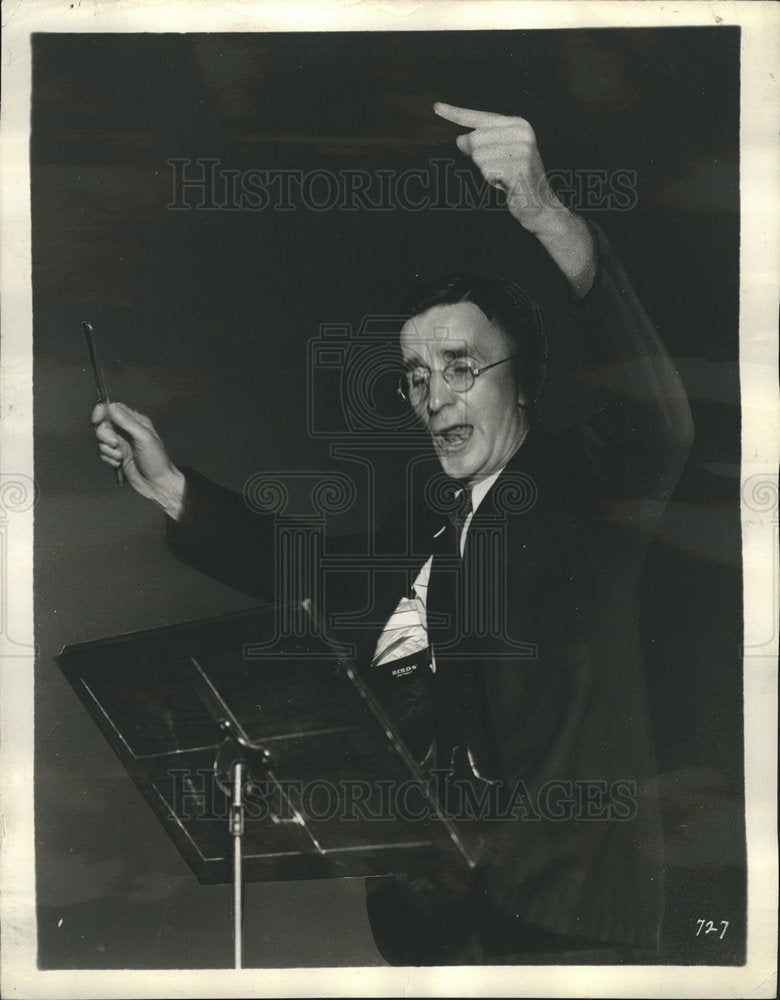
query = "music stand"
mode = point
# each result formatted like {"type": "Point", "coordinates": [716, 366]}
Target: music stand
{"type": "Point", "coordinates": [235, 729]}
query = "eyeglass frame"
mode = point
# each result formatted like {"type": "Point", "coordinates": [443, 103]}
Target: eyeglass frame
{"type": "Point", "coordinates": [403, 385]}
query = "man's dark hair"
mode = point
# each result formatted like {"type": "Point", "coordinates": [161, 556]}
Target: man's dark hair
{"type": "Point", "coordinates": [503, 301]}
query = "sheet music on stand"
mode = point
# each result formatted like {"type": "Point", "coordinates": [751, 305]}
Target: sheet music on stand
{"type": "Point", "coordinates": [183, 704]}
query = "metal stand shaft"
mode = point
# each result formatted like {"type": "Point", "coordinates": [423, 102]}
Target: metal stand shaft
{"type": "Point", "coordinates": [237, 829]}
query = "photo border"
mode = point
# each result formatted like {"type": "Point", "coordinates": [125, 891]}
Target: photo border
{"type": "Point", "coordinates": [759, 274]}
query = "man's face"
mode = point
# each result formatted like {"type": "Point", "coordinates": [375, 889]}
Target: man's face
{"type": "Point", "coordinates": [474, 433]}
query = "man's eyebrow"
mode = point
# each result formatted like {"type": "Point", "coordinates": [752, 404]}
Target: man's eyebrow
{"type": "Point", "coordinates": [458, 352]}
{"type": "Point", "coordinates": [450, 353]}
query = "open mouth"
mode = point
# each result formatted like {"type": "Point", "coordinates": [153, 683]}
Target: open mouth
{"type": "Point", "coordinates": [452, 438]}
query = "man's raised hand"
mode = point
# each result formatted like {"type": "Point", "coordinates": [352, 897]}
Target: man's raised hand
{"type": "Point", "coordinates": [505, 151]}
{"type": "Point", "coordinates": [127, 440]}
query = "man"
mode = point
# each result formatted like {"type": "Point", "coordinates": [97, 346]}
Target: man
{"type": "Point", "coordinates": [521, 670]}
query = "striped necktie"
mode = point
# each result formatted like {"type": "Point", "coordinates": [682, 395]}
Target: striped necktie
{"type": "Point", "coordinates": [462, 513]}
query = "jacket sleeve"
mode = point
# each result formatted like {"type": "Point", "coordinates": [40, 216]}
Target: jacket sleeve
{"type": "Point", "coordinates": [223, 535]}
{"type": "Point", "coordinates": [641, 438]}
{"type": "Point", "coordinates": [576, 717]}
{"type": "Point", "coordinates": [220, 534]}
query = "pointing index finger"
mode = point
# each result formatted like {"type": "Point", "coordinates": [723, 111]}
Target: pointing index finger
{"type": "Point", "coordinates": [467, 116]}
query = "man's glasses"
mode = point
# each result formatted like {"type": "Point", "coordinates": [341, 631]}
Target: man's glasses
{"type": "Point", "coordinates": [414, 385]}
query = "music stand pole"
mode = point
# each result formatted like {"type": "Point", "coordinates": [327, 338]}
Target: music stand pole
{"type": "Point", "coordinates": [237, 829]}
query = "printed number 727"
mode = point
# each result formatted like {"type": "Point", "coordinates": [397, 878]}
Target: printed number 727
{"type": "Point", "coordinates": [709, 927]}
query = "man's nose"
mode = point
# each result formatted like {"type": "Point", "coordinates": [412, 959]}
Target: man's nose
{"type": "Point", "coordinates": [439, 392]}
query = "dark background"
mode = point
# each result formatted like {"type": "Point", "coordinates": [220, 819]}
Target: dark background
{"type": "Point", "coordinates": [203, 321]}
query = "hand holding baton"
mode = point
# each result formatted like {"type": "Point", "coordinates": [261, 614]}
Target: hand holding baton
{"type": "Point", "coordinates": [100, 385]}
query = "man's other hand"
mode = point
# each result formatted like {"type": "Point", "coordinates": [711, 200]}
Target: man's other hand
{"type": "Point", "coordinates": [127, 440]}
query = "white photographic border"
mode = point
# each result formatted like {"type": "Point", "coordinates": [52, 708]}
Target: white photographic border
{"type": "Point", "coordinates": [759, 276]}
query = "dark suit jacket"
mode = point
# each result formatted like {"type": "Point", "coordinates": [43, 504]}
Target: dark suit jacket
{"type": "Point", "coordinates": [557, 709]}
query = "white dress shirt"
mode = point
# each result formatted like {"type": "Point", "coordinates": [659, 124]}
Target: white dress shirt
{"type": "Point", "coordinates": [406, 631]}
